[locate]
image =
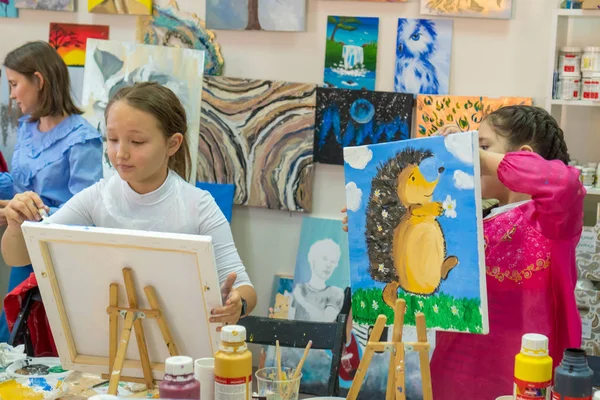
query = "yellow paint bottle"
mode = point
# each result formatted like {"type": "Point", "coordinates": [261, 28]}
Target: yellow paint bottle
{"type": "Point", "coordinates": [533, 369]}
{"type": "Point", "coordinates": [233, 365]}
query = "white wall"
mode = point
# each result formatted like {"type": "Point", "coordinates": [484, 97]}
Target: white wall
{"type": "Point", "coordinates": [490, 57]}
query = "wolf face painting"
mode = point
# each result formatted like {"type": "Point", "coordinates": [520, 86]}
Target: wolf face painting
{"type": "Point", "coordinates": [423, 56]}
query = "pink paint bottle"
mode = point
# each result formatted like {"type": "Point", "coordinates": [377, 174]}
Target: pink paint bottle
{"type": "Point", "coordinates": [179, 381]}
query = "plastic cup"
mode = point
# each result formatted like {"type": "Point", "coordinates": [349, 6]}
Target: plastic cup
{"type": "Point", "coordinates": [272, 388]}
{"type": "Point", "coordinates": [204, 371]}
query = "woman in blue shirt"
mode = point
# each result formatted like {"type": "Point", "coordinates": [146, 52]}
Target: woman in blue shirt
{"type": "Point", "coordinates": [58, 153]}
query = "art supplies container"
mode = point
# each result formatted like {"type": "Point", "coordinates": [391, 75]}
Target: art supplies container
{"type": "Point", "coordinates": [533, 369]}
{"type": "Point", "coordinates": [590, 61]}
{"type": "Point", "coordinates": [204, 371]}
{"type": "Point", "coordinates": [573, 377]}
{"type": "Point", "coordinates": [590, 86]}
{"type": "Point", "coordinates": [570, 86]}
{"type": "Point", "coordinates": [588, 176]}
{"type": "Point", "coordinates": [233, 365]}
{"type": "Point", "coordinates": [179, 381]}
{"type": "Point", "coordinates": [270, 386]}
{"type": "Point", "coordinates": [569, 60]}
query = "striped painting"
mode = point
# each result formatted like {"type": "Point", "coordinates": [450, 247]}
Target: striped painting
{"type": "Point", "coordinates": [259, 135]}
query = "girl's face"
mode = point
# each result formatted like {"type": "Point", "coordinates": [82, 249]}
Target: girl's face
{"type": "Point", "coordinates": [24, 90]}
{"type": "Point", "coordinates": [137, 147]}
{"type": "Point", "coordinates": [491, 187]}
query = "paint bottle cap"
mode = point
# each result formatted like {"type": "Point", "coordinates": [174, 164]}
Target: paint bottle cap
{"type": "Point", "coordinates": [534, 344]}
{"type": "Point", "coordinates": [233, 334]}
{"type": "Point", "coordinates": [179, 365]}
{"type": "Point", "coordinates": [570, 49]}
{"type": "Point", "coordinates": [592, 49]}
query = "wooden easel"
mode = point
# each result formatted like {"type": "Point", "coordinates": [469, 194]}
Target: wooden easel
{"type": "Point", "coordinates": [396, 388]}
{"type": "Point", "coordinates": [133, 320]}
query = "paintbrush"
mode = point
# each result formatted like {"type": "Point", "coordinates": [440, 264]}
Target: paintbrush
{"type": "Point", "coordinates": [279, 372]}
{"type": "Point", "coordinates": [44, 215]}
{"type": "Point", "coordinates": [298, 369]}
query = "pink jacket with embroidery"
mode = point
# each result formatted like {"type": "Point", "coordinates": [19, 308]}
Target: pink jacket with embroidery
{"type": "Point", "coordinates": [531, 276]}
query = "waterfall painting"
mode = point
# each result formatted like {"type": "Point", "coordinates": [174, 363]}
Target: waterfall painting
{"type": "Point", "coordinates": [356, 117]}
{"type": "Point", "coordinates": [8, 9]}
{"type": "Point", "coordinates": [423, 54]}
{"type": "Point", "coordinates": [259, 135]}
{"type": "Point", "coordinates": [498, 9]}
{"type": "Point", "coordinates": [351, 52]}
{"type": "Point", "coordinates": [256, 15]}
{"type": "Point", "coordinates": [416, 231]}
{"type": "Point", "coordinates": [69, 40]}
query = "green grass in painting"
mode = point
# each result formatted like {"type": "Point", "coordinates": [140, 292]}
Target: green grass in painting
{"type": "Point", "coordinates": [443, 311]}
{"type": "Point", "coordinates": [333, 53]}
{"type": "Point", "coordinates": [370, 55]}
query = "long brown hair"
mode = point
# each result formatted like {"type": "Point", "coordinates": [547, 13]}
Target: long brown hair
{"type": "Point", "coordinates": [55, 95]}
{"type": "Point", "coordinates": [160, 102]}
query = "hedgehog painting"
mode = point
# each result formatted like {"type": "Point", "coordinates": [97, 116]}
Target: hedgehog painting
{"type": "Point", "coordinates": [416, 232]}
{"type": "Point", "coordinates": [423, 56]}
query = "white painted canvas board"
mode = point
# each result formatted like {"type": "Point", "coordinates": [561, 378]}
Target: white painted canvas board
{"type": "Point", "coordinates": [86, 260]}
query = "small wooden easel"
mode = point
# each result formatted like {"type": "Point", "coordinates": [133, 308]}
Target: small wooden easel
{"type": "Point", "coordinates": [396, 389]}
{"type": "Point", "coordinates": [133, 320]}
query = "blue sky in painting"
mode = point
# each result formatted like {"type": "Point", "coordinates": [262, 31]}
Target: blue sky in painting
{"type": "Point", "coordinates": [460, 232]}
{"type": "Point", "coordinates": [367, 32]}
{"type": "Point", "coordinates": [8, 10]}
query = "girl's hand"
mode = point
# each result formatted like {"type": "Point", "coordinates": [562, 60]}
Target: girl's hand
{"type": "Point", "coordinates": [230, 313]}
{"type": "Point", "coordinates": [448, 130]}
{"type": "Point", "coordinates": [24, 207]}
{"type": "Point", "coordinates": [345, 219]}
{"type": "Point", "coordinates": [3, 204]}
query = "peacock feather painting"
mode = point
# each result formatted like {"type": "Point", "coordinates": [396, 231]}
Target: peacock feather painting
{"type": "Point", "coordinates": [351, 52]}
{"type": "Point", "coordinates": [356, 117]}
{"type": "Point", "coordinates": [498, 9]}
{"type": "Point", "coordinates": [423, 51]}
{"type": "Point", "coordinates": [416, 231]}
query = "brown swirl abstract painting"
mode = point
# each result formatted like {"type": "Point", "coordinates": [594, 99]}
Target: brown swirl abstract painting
{"type": "Point", "coordinates": [259, 136]}
{"type": "Point", "coordinates": [466, 112]}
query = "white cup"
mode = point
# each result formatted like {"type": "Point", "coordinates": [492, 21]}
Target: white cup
{"type": "Point", "coordinates": [204, 372]}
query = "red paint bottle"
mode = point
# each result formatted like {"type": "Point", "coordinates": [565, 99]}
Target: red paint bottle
{"type": "Point", "coordinates": [179, 381]}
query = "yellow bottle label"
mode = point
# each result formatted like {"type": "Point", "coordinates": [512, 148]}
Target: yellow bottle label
{"type": "Point", "coordinates": [233, 372]}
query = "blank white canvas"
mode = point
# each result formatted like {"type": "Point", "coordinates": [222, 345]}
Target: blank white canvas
{"type": "Point", "coordinates": [86, 260]}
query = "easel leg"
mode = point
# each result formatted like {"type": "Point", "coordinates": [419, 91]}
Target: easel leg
{"type": "Point", "coordinates": [113, 385]}
{"type": "Point", "coordinates": [113, 327]}
{"type": "Point", "coordinates": [139, 329]}
{"type": "Point", "coordinates": [424, 358]}
{"type": "Point", "coordinates": [400, 378]}
{"type": "Point", "coordinates": [363, 367]}
{"type": "Point", "coordinates": [392, 384]}
{"type": "Point", "coordinates": [162, 323]}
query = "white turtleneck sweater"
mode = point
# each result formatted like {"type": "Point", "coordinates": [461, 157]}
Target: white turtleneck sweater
{"type": "Point", "coordinates": [175, 207]}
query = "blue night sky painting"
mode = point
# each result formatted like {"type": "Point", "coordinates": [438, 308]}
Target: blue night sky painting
{"type": "Point", "coordinates": [358, 117]}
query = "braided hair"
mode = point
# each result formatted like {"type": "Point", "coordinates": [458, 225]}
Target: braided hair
{"type": "Point", "coordinates": [533, 126]}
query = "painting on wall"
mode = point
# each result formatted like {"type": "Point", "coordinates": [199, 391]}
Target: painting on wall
{"type": "Point", "coordinates": [111, 65]}
{"type": "Point", "coordinates": [8, 9]}
{"type": "Point", "coordinates": [50, 5]}
{"type": "Point", "coordinates": [498, 9]}
{"type": "Point", "coordinates": [259, 135]}
{"type": "Point", "coordinates": [492, 104]}
{"type": "Point", "coordinates": [416, 231]}
{"type": "Point", "coordinates": [10, 113]}
{"type": "Point", "coordinates": [351, 52]}
{"type": "Point", "coordinates": [69, 40]}
{"type": "Point", "coordinates": [423, 51]}
{"type": "Point", "coordinates": [279, 306]}
{"type": "Point", "coordinates": [169, 26]}
{"type": "Point", "coordinates": [356, 117]}
{"type": "Point", "coordinates": [256, 15]}
{"type": "Point", "coordinates": [131, 7]}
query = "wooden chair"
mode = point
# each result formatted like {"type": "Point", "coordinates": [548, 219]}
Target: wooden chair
{"type": "Point", "coordinates": [296, 334]}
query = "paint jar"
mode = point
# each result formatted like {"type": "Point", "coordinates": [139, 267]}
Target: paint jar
{"type": "Point", "coordinates": [233, 365]}
{"type": "Point", "coordinates": [570, 86]}
{"type": "Point", "coordinates": [590, 86]}
{"type": "Point", "coordinates": [573, 377]}
{"type": "Point", "coordinates": [590, 61]}
{"type": "Point", "coordinates": [533, 369]}
{"type": "Point", "coordinates": [179, 381]}
{"type": "Point", "coordinates": [580, 169]}
{"type": "Point", "coordinates": [569, 59]}
{"type": "Point", "coordinates": [588, 176]}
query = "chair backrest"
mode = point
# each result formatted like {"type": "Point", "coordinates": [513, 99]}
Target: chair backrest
{"type": "Point", "coordinates": [296, 334]}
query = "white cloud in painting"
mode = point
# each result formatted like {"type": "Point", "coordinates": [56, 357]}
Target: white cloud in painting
{"type": "Point", "coordinates": [358, 157]}
{"type": "Point", "coordinates": [461, 146]}
{"type": "Point", "coordinates": [462, 180]}
{"type": "Point", "coordinates": [353, 196]}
